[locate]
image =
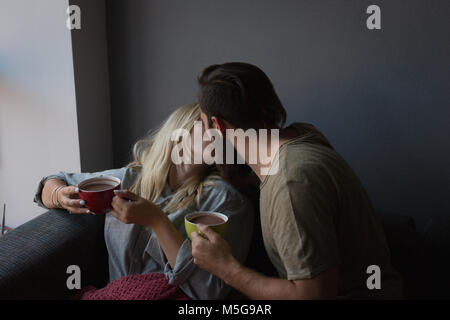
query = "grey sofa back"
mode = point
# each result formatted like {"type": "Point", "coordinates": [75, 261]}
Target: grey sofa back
{"type": "Point", "coordinates": [34, 257]}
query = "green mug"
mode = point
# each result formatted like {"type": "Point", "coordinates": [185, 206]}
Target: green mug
{"type": "Point", "coordinates": [216, 221]}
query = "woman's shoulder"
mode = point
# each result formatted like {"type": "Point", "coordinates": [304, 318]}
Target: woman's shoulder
{"type": "Point", "coordinates": [130, 175]}
{"type": "Point", "coordinates": [134, 169]}
{"type": "Point", "coordinates": [221, 193]}
{"type": "Point", "coordinates": [217, 185]}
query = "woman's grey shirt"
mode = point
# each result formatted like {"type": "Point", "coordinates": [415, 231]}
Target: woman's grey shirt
{"type": "Point", "coordinates": [134, 249]}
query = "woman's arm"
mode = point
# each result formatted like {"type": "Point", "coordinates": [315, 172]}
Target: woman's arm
{"type": "Point", "coordinates": [56, 194]}
{"type": "Point", "coordinates": [180, 269]}
{"type": "Point", "coordinates": [59, 191]}
{"type": "Point", "coordinates": [169, 239]}
{"type": "Point", "coordinates": [131, 208]}
{"type": "Point", "coordinates": [48, 195]}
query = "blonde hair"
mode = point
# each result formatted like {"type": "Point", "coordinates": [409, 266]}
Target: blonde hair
{"type": "Point", "coordinates": [154, 154]}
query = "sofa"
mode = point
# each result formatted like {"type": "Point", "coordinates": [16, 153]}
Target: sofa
{"type": "Point", "coordinates": [34, 257]}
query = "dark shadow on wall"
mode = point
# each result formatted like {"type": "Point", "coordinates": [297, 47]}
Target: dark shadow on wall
{"type": "Point", "coordinates": [90, 61]}
{"type": "Point", "coordinates": [380, 96]}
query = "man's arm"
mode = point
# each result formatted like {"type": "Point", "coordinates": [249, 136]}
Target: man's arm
{"type": "Point", "coordinates": [260, 287]}
{"type": "Point", "coordinates": [213, 254]}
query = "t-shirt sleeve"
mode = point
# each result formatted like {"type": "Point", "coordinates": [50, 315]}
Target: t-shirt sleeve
{"type": "Point", "coordinates": [303, 228]}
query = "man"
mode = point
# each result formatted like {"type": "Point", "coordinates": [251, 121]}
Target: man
{"type": "Point", "coordinates": [319, 227]}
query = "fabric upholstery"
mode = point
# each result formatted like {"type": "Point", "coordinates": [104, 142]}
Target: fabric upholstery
{"type": "Point", "coordinates": [34, 257]}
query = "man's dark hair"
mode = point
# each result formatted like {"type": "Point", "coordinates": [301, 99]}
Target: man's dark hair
{"type": "Point", "coordinates": [241, 94]}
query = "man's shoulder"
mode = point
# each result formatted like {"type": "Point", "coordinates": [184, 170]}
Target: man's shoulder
{"type": "Point", "coordinates": [302, 158]}
{"type": "Point", "coordinates": [309, 134]}
{"type": "Point", "coordinates": [298, 159]}
{"type": "Point", "coordinates": [302, 166]}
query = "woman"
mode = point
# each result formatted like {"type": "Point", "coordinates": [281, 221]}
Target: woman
{"type": "Point", "coordinates": [144, 232]}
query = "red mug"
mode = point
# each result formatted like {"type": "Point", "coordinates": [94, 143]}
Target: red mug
{"type": "Point", "coordinates": [98, 193]}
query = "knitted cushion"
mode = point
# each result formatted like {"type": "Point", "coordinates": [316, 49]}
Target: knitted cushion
{"type": "Point", "coordinates": [153, 286]}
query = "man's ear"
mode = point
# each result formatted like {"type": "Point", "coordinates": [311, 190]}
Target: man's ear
{"type": "Point", "coordinates": [219, 125]}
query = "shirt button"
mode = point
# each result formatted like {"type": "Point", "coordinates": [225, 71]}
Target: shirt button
{"type": "Point", "coordinates": [147, 229]}
{"type": "Point", "coordinates": [136, 261]}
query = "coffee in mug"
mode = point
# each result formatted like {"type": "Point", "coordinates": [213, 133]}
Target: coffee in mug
{"type": "Point", "coordinates": [98, 193]}
{"type": "Point", "coordinates": [216, 221]}
{"type": "Point", "coordinates": [207, 219]}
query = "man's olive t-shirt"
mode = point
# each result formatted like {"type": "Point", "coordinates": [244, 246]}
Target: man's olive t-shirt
{"type": "Point", "coordinates": [315, 214]}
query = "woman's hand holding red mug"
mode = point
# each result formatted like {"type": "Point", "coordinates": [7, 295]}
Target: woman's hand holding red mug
{"type": "Point", "coordinates": [67, 198]}
{"type": "Point", "coordinates": [129, 208]}
{"type": "Point", "coordinates": [57, 194]}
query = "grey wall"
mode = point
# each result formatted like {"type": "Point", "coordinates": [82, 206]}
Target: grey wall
{"type": "Point", "coordinates": [381, 97]}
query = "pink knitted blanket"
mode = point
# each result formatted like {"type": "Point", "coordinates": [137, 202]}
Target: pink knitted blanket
{"type": "Point", "coordinates": [153, 286]}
